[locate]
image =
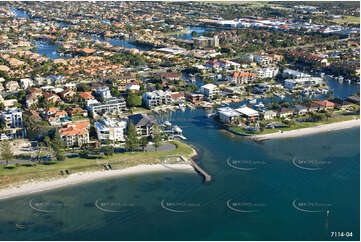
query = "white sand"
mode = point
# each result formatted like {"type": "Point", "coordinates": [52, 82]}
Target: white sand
{"type": "Point", "coordinates": [307, 131]}
{"type": "Point", "coordinates": [31, 187]}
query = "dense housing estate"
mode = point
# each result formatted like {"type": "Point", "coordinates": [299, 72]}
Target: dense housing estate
{"type": "Point", "coordinates": [91, 86]}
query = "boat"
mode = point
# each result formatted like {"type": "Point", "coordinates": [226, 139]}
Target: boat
{"type": "Point", "coordinates": [259, 106]}
{"type": "Point", "coordinates": [181, 137]}
{"type": "Point", "coordinates": [19, 226]}
{"type": "Point", "coordinates": [167, 123]}
{"type": "Point", "coordinates": [207, 105]}
{"type": "Point", "coordinates": [190, 106]}
{"type": "Point", "coordinates": [177, 130]}
{"type": "Point", "coordinates": [252, 101]}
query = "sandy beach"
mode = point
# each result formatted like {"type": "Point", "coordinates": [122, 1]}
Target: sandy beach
{"type": "Point", "coordinates": [31, 187]}
{"type": "Point", "coordinates": [308, 131]}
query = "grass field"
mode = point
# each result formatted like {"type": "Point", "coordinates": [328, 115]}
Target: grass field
{"type": "Point", "coordinates": [118, 161]}
{"type": "Point", "coordinates": [347, 20]}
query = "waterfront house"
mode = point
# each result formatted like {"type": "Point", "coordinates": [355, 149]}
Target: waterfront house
{"type": "Point", "coordinates": [312, 107]}
{"type": "Point", "coordinates": [300, 109]}
{"type": "Point", "coordinates": [341, 103]}
{"type": "Point", "coordinates": [193, 97]}
{"type": "Point", "coordinates": [269, 114]}
{"type": "Point", "coordinates": [248, 113]}
{"type": "Point", "coordinates": [110, 129]}
{"type": "Point", "coordinates": [273, 125]}
{"type": "Point", "coordinates": [143, 123]}
{"type": "Point", "coordinates": [75, 134]}
{"type": "Point", "coordinates": [156, 98]}
{"type": "Point", "coordinates": [228, 116]}
{"type": "Point", "coordinates": [286, 112]}
{"type": "Point", "coordinates": [178, 96]}
{"type": "Point", "coordinates": [210, 91]}
{"type": "Point", "coordinates": [323, 105]}
{"type": "Point", "coordinates": [302, 82]}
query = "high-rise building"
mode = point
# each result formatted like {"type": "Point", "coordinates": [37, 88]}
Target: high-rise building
{"type": "Point", "coordinates": [206, 42]}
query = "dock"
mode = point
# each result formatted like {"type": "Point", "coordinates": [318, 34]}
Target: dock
{"type": "Point", "coordinates": [207, 177]}
{"type": "Point", "coordinates": [180, 136]}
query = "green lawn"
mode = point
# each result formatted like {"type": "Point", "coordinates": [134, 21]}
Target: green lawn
{"type": "Point", "coordinates": [184, 31]}
{"type": "Point", "coordinates": [118, 161]}
{"type": "Point", "coordinates": [347, 19]}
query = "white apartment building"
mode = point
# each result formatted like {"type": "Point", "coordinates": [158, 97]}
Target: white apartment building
{"type": "Point", "coordinates": [209, 90]}
{"type": "Point", "coordinates": [110, 129]}
{"type": "Point", "coordinates": [112, 105]}
{"type": "Point", "coordinates": [269, 72]}
{"type": "Point", "coordinates": [103, 92]}
{"type": "Point", "coordinates": [295, 74]}
{"type": "Point", "coordinates": [13, 118]}
{"type": "Point", "coordinates": [25, 83]}
{"type": "Point", "coordinates": [262, 60]}
{"type": "Point", "coordinates": [302, 82]}
{"type": "Point", "coordinates": [156, 98]}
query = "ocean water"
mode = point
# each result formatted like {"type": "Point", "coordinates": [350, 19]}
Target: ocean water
{"type": "Point", "coordinates": [275, 190]}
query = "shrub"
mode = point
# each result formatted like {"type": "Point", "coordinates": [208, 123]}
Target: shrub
{"type": "Point", "coordinates": [49, 162]}
{"type": "Point", "coordinates": [10, 167]}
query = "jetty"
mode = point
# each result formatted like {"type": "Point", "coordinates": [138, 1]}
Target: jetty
{"type": "Point", "coordinates": [207, 177]}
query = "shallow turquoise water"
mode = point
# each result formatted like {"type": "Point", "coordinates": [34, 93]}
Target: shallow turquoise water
{"type": "Point", "coordinates": [270, 198]}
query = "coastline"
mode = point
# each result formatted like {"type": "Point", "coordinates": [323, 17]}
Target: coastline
{"type": "Point", "coordinates": [308, 131]}
{"type": "Point", "coordinates": [33, 186]}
